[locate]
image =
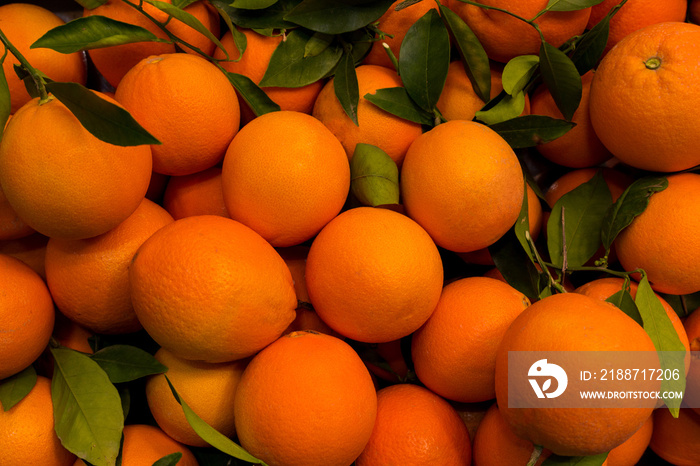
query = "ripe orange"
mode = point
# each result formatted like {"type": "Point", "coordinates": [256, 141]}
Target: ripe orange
{"type": "Point", "coordinates": [504, 37]}
{"type": "Point", "coordinates": [209, 389]}
{"type": "Point", "coordinates": [209, 288]}
{"type": "Point", "coordinates": [631, 450]}
{"type": "Point", "coordinates": [89, 278]}
{"type": "Point", "coordinates": [187, 104]}
{"type": "Point", "coordinates": [26, 431]}
{"type": "Point", "coordinates": [676, 440]}
{"type": "Point", "coordinates": [74, 193]}
{"type": "Point", "coordinates": [30, 249]}
{"type": "Point", "coordinates": [454, 352]}
{"type": "Point", "coordinates": [307, 399]}
{"type": "Point", "coordinates": [253, 64]}
{"type": "Point", "coordinates": [463, 183]}
{"type": "Point", "coordinates": [663, 240]}
{"type": "Point", "coordinates": [374, 123]}
{"type": "Point", "coordinates": [196, 194]}
{"type": "Point", "coordinates": [691, 324]}
{"type": "Point", "coordinates": [115, 61]}
{"type": "Point", "coordinates": [568, 322]}
{"type": "Point", "coordinates": [285, 175]}
{"type": "Point", "coordinates": [650, 75]}
{"type": "Point", "coordinates": [373, 275]}
{"type": "Point", "coordinates": [23, 24]}
{"type": "Point", "coordinates": [26, 316]}
{"type": "Point", "coordinates": [616, 180]}
{"type": "Point", "coordinates": [414, 427]}
{"type": "Point", "coordinates": [636, 14]}
{"type": "Point", "coordinates": [580, 147]}
{"type": "Point", "coordinates": [11, 226]}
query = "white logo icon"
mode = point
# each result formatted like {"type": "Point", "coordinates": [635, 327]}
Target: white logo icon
{"type": "Point", "coordinates": [542, 368]}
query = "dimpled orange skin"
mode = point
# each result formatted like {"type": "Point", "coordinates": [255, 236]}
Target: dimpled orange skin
{"type": "Point", "coordinates": [677, 440]}
{"type": "Point", "coordinates": [640, 87]}
{"type": "Point", "coordinates": [463, 183]}
{"type": "Point", "coordinates": [566, 322]}
{"type": "Point", "coordinates": [209, 288]}
{"type": "Point", "coordinates": [305, 399]}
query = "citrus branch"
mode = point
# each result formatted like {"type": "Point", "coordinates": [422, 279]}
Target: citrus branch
{"type": "Point", "coordinates": [543, 265]}
{"type": "Point", "coordinates": [33, 72]}
{"type": "Point", "coordinates": [535, 456]}
{"type": "Point", "coordinates": [531, 22]}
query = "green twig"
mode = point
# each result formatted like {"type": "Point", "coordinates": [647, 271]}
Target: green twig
{"type": "Point", "coordinates": [531, 22]}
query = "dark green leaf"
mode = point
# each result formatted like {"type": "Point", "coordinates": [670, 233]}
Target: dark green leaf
{"type": "Point", "coordinates": [253, 4]}
{"type": "Point", "coordinates": [591, 47]}
{"type": "Point", "coordinates": [86, 407]}
{"type": "Point", "coordinates": [515, 265]}
{"type": "Point", "coordinates": [629, 205]}
{"type": "Point", "coordinates": [502, 108]}
{"type": "Point", "coordinates": [239, 39]}
{"type": "Point", "coordinates": [16, 387]}
{"type": "Point", "coordinates": [92, 32]}
{"type": "Point", "coordinates": [26, 78]}
{"type": "Point", "coordinates": [346, 87]}
{"type": "Point", "coordinates": [424, 59]}
{"type": "Point", "coordinates": [271, 17]}
{"type": "Point", "coordinates": [561, 78]}
{"type": "Point", "coordinates": [666, 341]}
{"type": "Point", "coordinates": [210, 435]}
{"type": "Point", "coordinates": [518, 72]}
{"type": "Point", "coordinates": [624, 301]}
{"type": "Point", "coordinates": [374, 176]}
{"type": "Point", "coordinates": [573, 228]}
{"type": "Point", "coordinates": [90, 4]}
{"type": "Point", "coordinates": [406, 4]}
{"type": "Point", "coordinates": [361, 41]}
{"type": "Point", "coordinates": [522, 226]}
{"type": "Point", "coordinates": [474, 58]}
{"type": "Point", "coordinates": [396, 101]}
{"type": "Point", "coordinates": [255, 97]}
{"type": "Point", "coordinates": [124, 363]}
{"type": "Point", "coordinates": [289, 68]}
{"type": "Point", "coordinates": [556, 460]}
{"type": "Point", "coordinates": [105, 120]}
{"type": "Point", "coordinates": [337, 16]}
{"type": "Point", "coordinates": [5, 102]}
{"type": "Point", "coordinates": [169, 460]}
{"type": "Point", "coordinates": [317, 44]}
{"type": "Point", "coordinates": [530, 130]}
{"type": "Point", "coordinates": [570, 5]}
{"type": "Point", "coordinates": [182, 4]}
{"type": "Point", "coordinates": [125, 396]}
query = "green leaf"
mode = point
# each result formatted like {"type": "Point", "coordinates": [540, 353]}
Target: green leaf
{"type": "Point", "coordinates": [86, 407]}
{"type": "Point", "coordinates": [337, 16]}
{"type": "Point", "coordinates": [624, 301]}
{"type": "Point", "coordinates": [169, 460]}
{"type": "Point", "coordinates": [518, 72]}
{"type": "Point", "coordinates": [210, 435]}
{"type": "Point", "coordinates": [474, 58]}
{"type": "Point", "coordinates": [590, 48]}
{"type": "Point", "coordinates": [424, 59]}
{"type": "Point", "coordinates": [5, 101]}
{"type": "Point", "coordinates": [570, 5]}
{"type": "Point", "coordinates": [556, 460]}
{"type": "Point", "coordinates": [374, 176]}
{"type": "Point", "coordinates": [561, 78]}
{"type": "Point", "coordinates": [406, 4]}
{"type": "Point", "coordinates": [573, 228]}
{"type": "Point", "coordinates": [124, 363]}
{"type": "Point", "coordinates": [289, 68]}
{"type": "Point", "coordinates": [502, 108]}
{"type": "Point", "coordinates": [631, 203]}
{"type": "Point", "coordinates": [396, 101]}
{"type": "Point", "coordinates": [271, 17]}
{"type": "Point", "coordinates": [90, 4]}
{"type": "Point", "coordinates": [253, 4]}
{"type": "Point", "coordinates": [317, 44]}
{"type": "Point", "coordinates": [105, 120]}
{"type": "Point", "coordinates": [530, 130]}
{"type": "Point", "coordinates": [661, 331]}
{"type": "Point", "coordinates": [346, 87]}
{"type": "Point", "coordinates": [522, 225]}
{"type": "Point", "coordinates": [182, 4]}
{"type": "Point", "coordinates": [92, 32]}
{"type": "Point", "coordinates": [27, 80]}
{"type": "Point", "coordinates": [16, 387]}
{"type": "Point", "coordinates": [515, 265]}
{"type": "Point", "coordinates": [255, 97]}
{"type": "Point", "coordinates": [239, 39]}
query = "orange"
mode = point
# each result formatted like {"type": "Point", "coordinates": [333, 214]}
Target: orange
{"type": "Point", "coordinates": [89, 278]}
{"type": "Point", "coordinates": [397, 24]}
{"type": "Point", "coordinates": [11, 226]}
{"type": "Point", "coordinates": [459, 101]}
{"type": "Point", "coordinates": [568, 322]}
{"type": "Point", "coordinates": [663, 240]}
{"type": "Point", "coordinates": [580, 146]}
{"type": "Point", "coordinates": [496, 445]}
{"type": "Point", "coordinates": [504, 37]}
{"type": "Point", "coordinates": [650, 75]}
{"type": "Point", "coordinates": [115, 61]}
{"type": "Point", "coordinates": [285, 175]}
{"type": "Point", "coordinates": [209, 389]}
{"type": "Point", "coordinates": [26, 316]}
{"type": "Point", "coordinates": [692, 387]}
{"type": "Point", "coordinates": [463, 183]}
{"type": "Point", "coordinates": [631, 450]}
{"type": "Point", "coordinates": [26, 431]}
{"type": "Point", "coordinates": [676, 439]}
{"type": "Point", "coordinates": [636, 14]}
{"type": "Point", "coordinates": [71, 335]}
{"type": "Point", "coordinates": [616, 180]}
{"type": "Point", "coordinates": [414, 427]}
{"type": "Point", "coordinates": [187, 104]}
{"type": "Point", "coordinates": [373, 275]}
{"type": "Point", "coordinates": [387, 360]}
{"type": "Point", "coordinates": [454, 352]}
{"type": "Point", "coordinates": [196, 194]}
{"type": "Point", "coordinates": [145, 444]}
{"type": "Point", "coordinates": [23, 24]}
{"type": "Point", "coordinates": [305, 399]}
{"type": "Point", "coordinates": [30, 249]}
{"type": "Point", "coordinates": [74, 193]}
{"type": "Point", "coordinates": [209, 288]}
{"type": "Point", "coordinates": [253, 64]}
{"type": "Point", "coordinates": [472, 414]}
{"type": "Point", "coordinates": [375, 124]}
